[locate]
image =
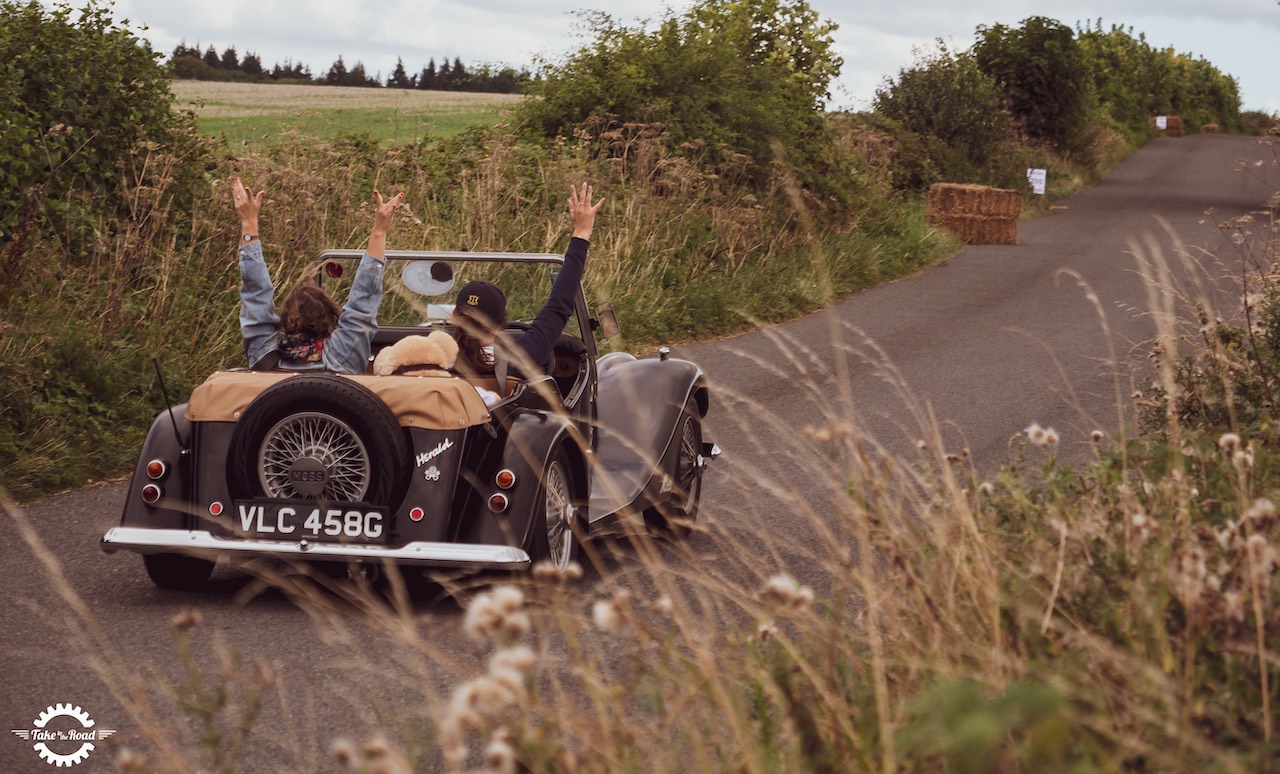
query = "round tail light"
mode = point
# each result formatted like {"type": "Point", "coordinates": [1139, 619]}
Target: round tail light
{"type": "Point", "coordinates": [151, 494]}
{"type": "Point", "coordinates": [416, 514]}
{"type": "Point", "coordinates": [499, 503]}
{"type": "Point", "coordinates": [215, 508]}
{"type": "Point", "coordinates": [156, 470]}
{"type": "Point", "coordinates": [505, 479]}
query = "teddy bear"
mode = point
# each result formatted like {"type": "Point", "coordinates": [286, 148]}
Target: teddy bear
{"type": "Point", "coordinates": [432, 355]}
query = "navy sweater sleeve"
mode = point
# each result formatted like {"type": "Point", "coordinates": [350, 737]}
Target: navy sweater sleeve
{"type": "Point", "coordinates": [539, 341]}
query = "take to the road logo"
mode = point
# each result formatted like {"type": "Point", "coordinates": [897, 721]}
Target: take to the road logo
{"type": "Point", "coordinates": [63, 735]}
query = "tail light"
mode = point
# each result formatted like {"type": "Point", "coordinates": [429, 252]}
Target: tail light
{"type": "Point", "coordinates": [505, 479]}
{"type": "Point", "coordinates": [157, 469]}
{"type": "Point", "coordinates": [498, 503]}
{"type": "Point", "coordinates": [215, 508]}
{"type": "Point", "coordinates": [416, 514]}
{"type": "Point", "coordinates": [151, 494]}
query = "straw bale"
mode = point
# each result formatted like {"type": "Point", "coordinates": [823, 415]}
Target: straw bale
{"type": "Point", "coordinates": [1173, 127]}
{"type": "Point", "coordinates": [1209, 128]}
{"type": "Point", "coordinates": [962, 199]}
{"type": "Point", "coordinates": [980, 230]}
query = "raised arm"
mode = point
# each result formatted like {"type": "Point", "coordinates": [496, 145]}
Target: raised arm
{"type": "Point", "coordinates": [539, 341]}
{"type": "Point", "coordinates": [383, 217]}
{"type": "Point", "coordinates": [259, 323]}
{"type": "Point", "coordinates": [348, 347]}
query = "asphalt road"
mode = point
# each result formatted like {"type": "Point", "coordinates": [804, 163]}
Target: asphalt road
{"type": "Point", "coordinates": [989, 341]}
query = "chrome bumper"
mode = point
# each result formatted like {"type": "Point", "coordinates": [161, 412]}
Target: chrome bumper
{"type": "Point", "coordinates": [468, 556]}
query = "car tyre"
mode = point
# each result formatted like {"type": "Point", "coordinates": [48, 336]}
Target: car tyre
{"type": "Point", "coordinates": [366, 454]}
{"type": "Point", "coordinates": [177, 572]}
{"type": "Point", "coordinates": [553, 530]}
{"type": "Point", "coordinates": [675, 518]}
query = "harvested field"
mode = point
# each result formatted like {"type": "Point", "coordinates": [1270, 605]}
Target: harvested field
{"type": "Point", "coordinates": [252, 111]}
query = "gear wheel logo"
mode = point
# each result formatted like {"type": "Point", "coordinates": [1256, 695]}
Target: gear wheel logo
{"type": "Point", "coordinates": [63, 744]}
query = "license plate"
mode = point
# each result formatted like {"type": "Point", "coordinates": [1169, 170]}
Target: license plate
{"type": "Point", "coordinates": [319, 522]}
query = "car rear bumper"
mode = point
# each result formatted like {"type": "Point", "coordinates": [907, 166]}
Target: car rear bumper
{"type": "Point", "coordinates": [422, 554]}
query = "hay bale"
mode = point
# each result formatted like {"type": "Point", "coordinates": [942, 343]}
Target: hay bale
{"type": "Point", "coordinates": [976, 214]}
{"type": "Point", "coordinates": [980, 230]}
{"type": "Point", "coordinates": [1174, 127]}
{"type": "Point", "coordinates": [965, 199]}
{"type": "Point", "coordinates": [1209, 128]}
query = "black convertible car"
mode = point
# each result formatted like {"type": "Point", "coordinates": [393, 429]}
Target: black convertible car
{"type": "Point", "coordinates": [421, 470]}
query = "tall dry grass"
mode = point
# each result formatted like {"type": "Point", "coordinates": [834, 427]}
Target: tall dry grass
{"type": "Point", "coordinates": [887, 612]}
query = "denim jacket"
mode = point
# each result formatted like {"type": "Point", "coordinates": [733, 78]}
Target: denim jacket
{"type": "Point", "coordinates": [347, 349]}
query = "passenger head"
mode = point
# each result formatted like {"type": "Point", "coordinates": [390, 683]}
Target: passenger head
{"type": "Point", "coordinates": [480, 310]}
{"type": "Point", "coordinates": [309, 310]}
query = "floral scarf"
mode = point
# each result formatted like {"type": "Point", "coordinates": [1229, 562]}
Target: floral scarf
{"type": "Point", "coordinates": [298, 348]}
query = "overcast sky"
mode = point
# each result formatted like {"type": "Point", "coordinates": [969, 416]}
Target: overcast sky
{"type": "Point", "coordinates": [875, 39]}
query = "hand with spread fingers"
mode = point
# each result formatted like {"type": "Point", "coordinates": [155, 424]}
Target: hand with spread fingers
{"type": "Point", "coordinates": [247, 206]}
{"type": "Point", "coordinates": [582, 213]}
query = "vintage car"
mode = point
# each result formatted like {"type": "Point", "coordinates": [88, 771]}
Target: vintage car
{"type": "Point", "coordinates": [362, 470]}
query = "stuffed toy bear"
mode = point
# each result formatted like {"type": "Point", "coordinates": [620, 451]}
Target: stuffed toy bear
{"type": "Point", "coordinates": [432, 355]}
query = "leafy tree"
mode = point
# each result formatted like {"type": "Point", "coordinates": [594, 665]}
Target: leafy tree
{"type": "Point", "coordinates": [80, 97]}
{"type": "Point", "coordinates": [743, 76]}
{"type": "Point", "coordinates": [947, 96]}
{"type": "Point", "coordinates": [1044, 75]}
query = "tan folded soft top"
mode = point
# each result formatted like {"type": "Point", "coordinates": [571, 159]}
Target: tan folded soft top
{"type": "Point", "coordinates": [435, 402]}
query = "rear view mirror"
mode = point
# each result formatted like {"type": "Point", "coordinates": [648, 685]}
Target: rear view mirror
{"type": "Point", "coordinates": [608, 321]}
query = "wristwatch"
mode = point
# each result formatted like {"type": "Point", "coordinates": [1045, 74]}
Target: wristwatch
{"type": "Point", "coordinates": [248, 237]}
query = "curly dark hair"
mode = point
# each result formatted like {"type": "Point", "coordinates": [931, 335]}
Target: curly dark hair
{"type": "Point", "coordinates": [308, 309]}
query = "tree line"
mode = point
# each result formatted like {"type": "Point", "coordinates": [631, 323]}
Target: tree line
{"type": "Point", "coordinates": [189, 62]}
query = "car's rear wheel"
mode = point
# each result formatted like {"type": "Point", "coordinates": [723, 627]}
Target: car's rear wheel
{"type": "Point", "coordinates": [675, 517]}
{"type": "Point", "coordinates": [177, 572]}
{"type": "Point", "coordinates": [319, 437]}
{"type": "Point", "coordinates": [553, 533]}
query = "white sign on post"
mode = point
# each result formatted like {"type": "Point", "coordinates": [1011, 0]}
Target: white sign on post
{"type": "Point", "coordinates": [1162, 122]}
{"type": "Point", "coordinates": [1037, 178]}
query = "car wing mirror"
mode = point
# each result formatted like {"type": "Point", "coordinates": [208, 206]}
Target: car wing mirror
{"type": "Point", "coordinates": [608, 321]}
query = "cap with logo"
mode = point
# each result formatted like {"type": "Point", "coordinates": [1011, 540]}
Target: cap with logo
{"type": "Point", "coordinates": [485, 298]}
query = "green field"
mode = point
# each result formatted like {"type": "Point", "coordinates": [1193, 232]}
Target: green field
{"type": "Point", "coordinates": [253, 112]}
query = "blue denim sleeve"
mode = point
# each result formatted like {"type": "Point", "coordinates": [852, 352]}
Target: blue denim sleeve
{"type": "Point", "coordinates": [259, 323]}
{"type": "Point", "coordinates": [539, 341]}
{"type": "Point", "coordinates": [347, 349]}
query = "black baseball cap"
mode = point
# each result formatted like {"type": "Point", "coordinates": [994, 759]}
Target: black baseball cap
{"type": "Point", "coordinates": [485, 298]}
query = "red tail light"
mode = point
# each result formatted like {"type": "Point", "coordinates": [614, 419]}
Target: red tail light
{"type": "Point", "coordinates": [499, 503]}
{"type": "Point", "coordinates": [157, 469]}
{"type": "Point", "coordinates": [505, 479]}
{"type": "Point", "coordinates": [215, 508]}
{"type": "Point", "coordinates": [416, 514]}
{"type": "Point", "coordinates": [151, 494]}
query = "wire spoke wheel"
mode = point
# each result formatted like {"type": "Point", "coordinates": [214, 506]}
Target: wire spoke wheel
{"type": "Point", "coordinates": [688, 469]}
{"type": "Point", "coordinates": [560, 514]}
{"type": "Point", "coordinates": [319, 437]}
